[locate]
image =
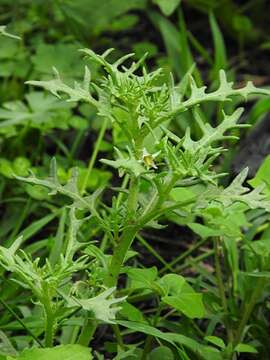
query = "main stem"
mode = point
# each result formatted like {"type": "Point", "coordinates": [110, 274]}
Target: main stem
{"type": "Point", "coordinates": [49, 324]}
{"type": "Point", "coordinates": [50, 316]}
{"type": "Point", "coordinates": [119, 255]}
{"type": "Point", "coordinates": [135, 225]}
{"type": "Point", "coordinates": [127, 236]}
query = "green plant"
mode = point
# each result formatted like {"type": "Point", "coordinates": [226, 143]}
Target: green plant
{"type": "Point", "coordinates": [163, 175]}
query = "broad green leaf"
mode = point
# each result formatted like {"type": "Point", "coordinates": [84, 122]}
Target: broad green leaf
{"type": "Point", "coordinates": [67, 352]}
{"type": "Point", "coordinates": [189, 304]}
{"type": "Point", "coordinates": [245, 348]}
{"type": "Point", "coordinates": [161, 353]}
{"type": "Point", "coordinates": [142, 278]}
{"type": "Point", "coordinates": [180, 295]}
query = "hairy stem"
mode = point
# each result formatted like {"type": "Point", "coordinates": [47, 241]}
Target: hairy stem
{"type": "Point", "coordinates": [119, 255]}
{"type": "Point", "coordinates": [50, 316]}
{"type": "Point", "coordinates": [137, 224]}
{"type": "Point", "coordinates": [50, 323]}
{"type": "Point", "coordinates": [127, 237]}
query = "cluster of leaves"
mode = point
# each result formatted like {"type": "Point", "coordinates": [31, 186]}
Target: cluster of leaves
{"type": "Point", "coordinates": [164, 176]}
{"type": "Point", "coordinates": [70, 243]}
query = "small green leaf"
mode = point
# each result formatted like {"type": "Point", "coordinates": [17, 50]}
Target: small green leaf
{"type": "Point", "coordinates": [245, 348]}
{"type": "Point", "coordinates": [216, 341]}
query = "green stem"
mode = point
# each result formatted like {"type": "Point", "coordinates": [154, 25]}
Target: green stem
{"type": "Point", "coordinates": [119, 255]}
{"type": "Point", "coordinates": [87, 332]}
{"type": "Point", "coordinates": [49, 326]}
{"type": "Point", "coordinates": [50, 316]}
{"type": "Point", "coordinates": [94, 155]}
{"type": "Point", "coordinates": [248, 308]}
{"type": "Point", "coordinates": [121, 194]}
{"type": "Point", "coordinates": [131, 230]}
{"type": "Point", "coordinates": [20, 321]}
{"type": "Point", "coordinates": [133, 197]}
{"type": "Point", "coordinates": [127, 236]}
{"type": "Point", "coordinates": [221, 288]}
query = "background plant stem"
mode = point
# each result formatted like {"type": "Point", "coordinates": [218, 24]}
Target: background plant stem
{"type": "Point", "coordinates": [95, 152]}
{"type": "Point", "coordinates": [248, 308]}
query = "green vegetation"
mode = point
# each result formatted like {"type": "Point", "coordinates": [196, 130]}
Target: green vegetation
{"type": "Point", "coordinates": [130, 229]}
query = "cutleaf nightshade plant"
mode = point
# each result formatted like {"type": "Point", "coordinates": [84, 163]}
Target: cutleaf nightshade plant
{"type": "Point", "coordinates": [132, 99]}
